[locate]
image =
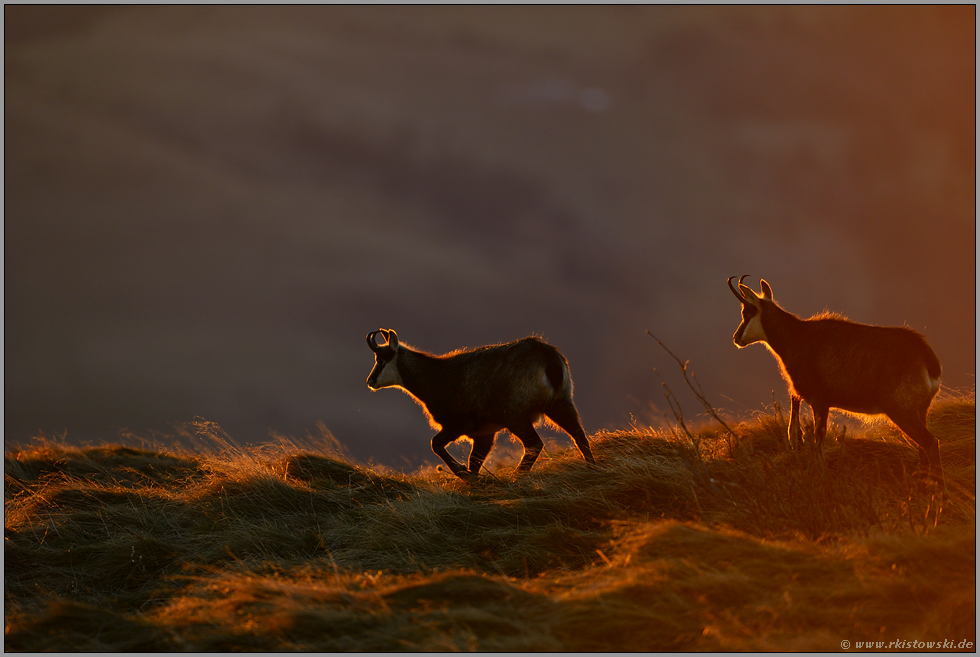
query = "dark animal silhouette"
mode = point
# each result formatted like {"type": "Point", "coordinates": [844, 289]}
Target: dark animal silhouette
{"type": "Point", "coordinates": [478, 392]}
{"type": "Point", "coordinates": [829, 361]}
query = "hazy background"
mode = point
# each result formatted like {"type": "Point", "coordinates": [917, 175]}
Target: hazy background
{"type": "Point", "coordinates": [207, 208]}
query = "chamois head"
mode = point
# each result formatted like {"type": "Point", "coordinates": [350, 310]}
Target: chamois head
{"type": "Point", "coordinates": [385, 372]}
{"type": "Point", "coordinates": [750, 330]}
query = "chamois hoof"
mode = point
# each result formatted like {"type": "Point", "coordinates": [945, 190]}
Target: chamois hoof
{"type": "Point", "coordinates": [929, 479]}
{"type": "Point", "coordinates": [462, 473]}
{"type": "Point", "coordinates": [924, 477]}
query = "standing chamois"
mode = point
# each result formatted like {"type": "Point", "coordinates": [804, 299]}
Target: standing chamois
{"type": "Point", "coordinates": [477, 393]}
{"type": "Point", "coordinates": [831, 362]}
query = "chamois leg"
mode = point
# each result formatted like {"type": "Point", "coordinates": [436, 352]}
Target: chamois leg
{"type": "Point", "coordinates": [481, 447]}
{"type": "Point", "coordinates": [563, 413]}
{"type": "Point", "coordinates": [821, 414]}
{"type": "Point", "coordinates": [439, 442]}
{"type": "Point", "coordinates": [923, 460]}
{"type": "Point", "coordinates": [795, 431]}
{"type": "Point", "coordinates": [913, 423]}
{"type": "Point", "coordinates": [532, 445]}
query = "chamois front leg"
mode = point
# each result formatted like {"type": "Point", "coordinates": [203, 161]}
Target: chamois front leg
{"type": "Point", "coordinates": [439, 442]}
{"type": "Point", "coordinates": [481, 447]}
{"type": "Point", "coordinates": [795, 431]}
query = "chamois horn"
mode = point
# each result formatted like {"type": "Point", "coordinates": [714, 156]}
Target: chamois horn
{"type": "Point", "coordinates": [738, 295]}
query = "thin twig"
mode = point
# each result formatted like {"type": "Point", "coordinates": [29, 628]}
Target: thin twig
{"type": "Point", "coordinates": [698, 391]}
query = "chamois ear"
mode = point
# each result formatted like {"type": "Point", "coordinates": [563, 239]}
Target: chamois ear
{"type": "Point", "coordinates": [766, 290]}
{"type": "Point", "coordinates": [749, 294]}
{"type": "Point", "coordinates": [392, 339]}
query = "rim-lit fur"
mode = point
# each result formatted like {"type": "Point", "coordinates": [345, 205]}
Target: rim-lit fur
{"type": "Point", "coordinates": [831, 362]}
{"type": "Point", "coordinates": [478, 392]}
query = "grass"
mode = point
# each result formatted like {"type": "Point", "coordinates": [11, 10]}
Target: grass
{"type": "Point", "coordinates": [715, 543]}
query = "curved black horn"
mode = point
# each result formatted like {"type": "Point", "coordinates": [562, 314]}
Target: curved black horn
{"type": "Point", "coordinates": [738, 295]}
{"type": "Point", "coordinates": [371, 342]}
{"type": "Point", "coordinates": [391, 337]}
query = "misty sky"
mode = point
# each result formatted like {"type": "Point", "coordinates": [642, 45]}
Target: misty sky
{"type": "Point", "coordinates": [207, 208]}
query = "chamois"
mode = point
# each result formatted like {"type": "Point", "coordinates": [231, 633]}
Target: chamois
{"type": "Point", "coordinates": [478, 392]}
{"type": "Point", "coordinates": [829, 361]}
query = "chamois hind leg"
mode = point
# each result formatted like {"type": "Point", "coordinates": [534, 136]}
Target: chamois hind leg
{"type": "Point", "coordinates": [821, 414]}
{"type": "Point", "coordinates": [923, 460]}
{"type": "Point", "coordinates": [532, 444]}
{"type": "Point", "coordinates": [481, 447]}
{"type": "Point", "coordinates": [563, 413]}
{"type": "Point", "coordinates": [913, 424]}
{"type": "Point", "coordinates": [439, 442]}
{"type": "Point", "coordinates": [795, 431]}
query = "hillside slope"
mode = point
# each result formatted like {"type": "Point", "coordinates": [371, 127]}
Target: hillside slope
{"type": "Point", "coordinates": [721, 544]}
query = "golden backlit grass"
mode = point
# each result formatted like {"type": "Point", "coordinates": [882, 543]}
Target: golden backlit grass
{"type": "Point", "coordinates": [733, 543]}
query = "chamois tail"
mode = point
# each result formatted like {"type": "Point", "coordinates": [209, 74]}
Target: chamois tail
{"type": "Point", "coordinates": [933, 367]}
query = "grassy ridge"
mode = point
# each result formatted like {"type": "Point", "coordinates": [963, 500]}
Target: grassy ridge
{"type": "Point", "coordinates": [722, 543]}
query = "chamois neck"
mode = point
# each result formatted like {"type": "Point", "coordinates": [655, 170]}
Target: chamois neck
{"type": "Point", "coordinates": [781, 328]}
{"type": "Point", "coordinates": [416, 371]}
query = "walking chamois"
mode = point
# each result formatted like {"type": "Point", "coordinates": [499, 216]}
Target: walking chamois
{"type": "Point", "coordinates": [478, 392]}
